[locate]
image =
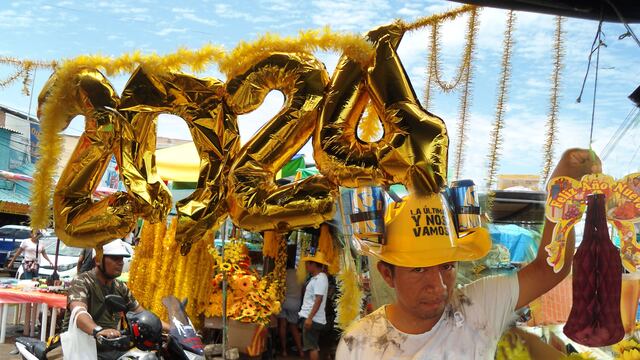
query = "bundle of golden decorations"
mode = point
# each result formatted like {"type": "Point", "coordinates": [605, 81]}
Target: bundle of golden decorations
{"type": "Point", "coordinates": [158, 270]}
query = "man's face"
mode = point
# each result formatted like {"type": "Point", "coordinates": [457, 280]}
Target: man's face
{"type": "Point", "coordinates": [113, 265]}
{"type": "Point", "coordinates": [310, 266]}
{"type": "Point", "coordinates": [423, 292]}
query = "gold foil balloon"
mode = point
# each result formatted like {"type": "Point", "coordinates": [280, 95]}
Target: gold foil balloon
{"type": "Point", "coordinates": [213, 128]}
{"type": "Point", "coordinates": [413, 149]}
{"type": "Point", "coordinates": [79, 220]}
{"type": "Point", "coordinates": [256, 203]}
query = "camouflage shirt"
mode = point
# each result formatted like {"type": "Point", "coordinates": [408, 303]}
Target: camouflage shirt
{"type": "Point", "coordinates": [86, 288]}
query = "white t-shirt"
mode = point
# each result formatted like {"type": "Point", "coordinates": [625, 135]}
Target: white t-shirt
{"type": "Point", "coordinates": [469, 328]}
{"type": "Point", "coordinates": [318, 285]}
{"type": "Point", "coordinates": [29, 249]}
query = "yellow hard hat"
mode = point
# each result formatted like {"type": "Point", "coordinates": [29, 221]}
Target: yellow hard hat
{"type": "Point", "coordinates": [420, 232]}
{"type": "Point", "coordinates": [319, 257]}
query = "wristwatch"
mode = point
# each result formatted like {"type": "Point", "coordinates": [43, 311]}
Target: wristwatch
{"type": "Point", "coordinates": [96, 330]}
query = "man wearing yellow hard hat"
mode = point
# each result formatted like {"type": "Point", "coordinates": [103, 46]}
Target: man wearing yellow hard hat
{"type": "Point", "coordinates": [431, 318]}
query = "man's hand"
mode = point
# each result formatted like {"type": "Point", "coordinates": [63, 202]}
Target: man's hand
{"type": "Point", "coordinates": [576, 163]}
{"type": "Point", "coordinates": [109, 333]}
{"type": "Point", "coordinates": [538, 277]}
{"type": "Point", "coordinates": [308, 323]}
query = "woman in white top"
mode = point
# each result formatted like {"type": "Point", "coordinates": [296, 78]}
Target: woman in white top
{"type": "Point", "coordinates": [30, 264]}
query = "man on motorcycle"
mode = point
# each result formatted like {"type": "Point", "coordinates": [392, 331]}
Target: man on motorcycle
{"type": "Point", "coordinates": [89, 290]}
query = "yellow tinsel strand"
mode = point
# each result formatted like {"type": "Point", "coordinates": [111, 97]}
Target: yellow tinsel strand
{"type": "Point", "coordinates": [349, 302]}
{"type": "Point", "coordinates": [139, 264]}
{"type": "Point", "coordinates": [552, 117]}
{"type": "Point", "coordinates": [162, 269]}
{"type": "Point", "coordinates": [437, 18]}
{"type": "Point", "coordinates": [247, 54]}
{"type": "Point", "coordinates": [496, 132]}
{"type": "Point", "coordinates": [153, 272]}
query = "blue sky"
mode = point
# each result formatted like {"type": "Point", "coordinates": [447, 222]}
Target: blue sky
{"type": "Point", "coordinates": [62, 29]}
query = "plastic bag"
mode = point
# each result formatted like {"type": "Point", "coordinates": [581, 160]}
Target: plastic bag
{"type": "Point", "coordinates": [76, 344]}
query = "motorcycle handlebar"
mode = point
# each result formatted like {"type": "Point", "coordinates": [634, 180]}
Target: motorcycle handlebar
{"type": "Point", "coordinates": [119, 342]}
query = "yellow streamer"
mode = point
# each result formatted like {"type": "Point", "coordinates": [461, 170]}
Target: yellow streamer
{"type": "Point", "coordinates": [349, 302]}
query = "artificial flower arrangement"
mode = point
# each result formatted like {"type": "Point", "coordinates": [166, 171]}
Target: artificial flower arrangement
{"type": "Point", "coordinates": [628, 349]}
{"type": "Point", "coordinates": [250, 297]}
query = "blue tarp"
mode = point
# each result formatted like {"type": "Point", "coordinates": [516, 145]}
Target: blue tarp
{"type": "Point", "coordinates": [522, 243]}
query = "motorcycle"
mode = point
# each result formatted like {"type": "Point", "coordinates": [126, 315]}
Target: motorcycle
{"type": "Point", "coordinates": [141, 337]}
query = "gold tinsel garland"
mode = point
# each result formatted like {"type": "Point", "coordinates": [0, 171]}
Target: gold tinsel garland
{"type": "Point", "coordinates": [463, 76]}
{"type": "Point", "coordinates": [552, 117]}
{"type": "Point", "coordinates": [496, 132]}
{"type": "Point", "coordinates": [23, 70]}
{"type": "Point", "coordinates": [465, 96]}
{"type": "Point", "coordinates": [158, 270]}
{"type": "Point", "coordinates": [465, 62]}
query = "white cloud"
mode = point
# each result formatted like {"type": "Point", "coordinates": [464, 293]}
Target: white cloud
{"type": "Point", "coordinates": [347, 15]}
{"type": "Point", "coordinates": [168, 31]}
{"type": "Point", "coordinates": [189, 15]}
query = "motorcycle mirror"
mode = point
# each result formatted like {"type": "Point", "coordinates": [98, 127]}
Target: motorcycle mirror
{"type": "Point", "coordinates": [115, 303]}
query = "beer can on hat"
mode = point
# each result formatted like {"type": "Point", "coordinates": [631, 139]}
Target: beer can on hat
{"type": "Point", "coordinates": [466, 206]}
{"type": "Point", "coordinates": [367, 217]}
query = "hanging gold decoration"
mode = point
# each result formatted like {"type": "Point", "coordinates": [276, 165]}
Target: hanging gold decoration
{"type": "Point", "coordinates": [23, 71]}
{"type": "Point", "coordinates": [463, 78]}
{"type": "Point", "coordinates": [552, 116]}
{"type": "Point", "coordinates": [428, 87]}
{"type": "Point", "coordinates": [349, 302]}
{"type": "Point", "coordinates": [465, 62]}
{"type": "Point", "coordinates": [465, 95]}
{"type": "Point", "coordinates": [503, 85]}
{"type": "Point", "coordinates": [434, 19]}
{"type": "Point", "coordinates": [158, 270]}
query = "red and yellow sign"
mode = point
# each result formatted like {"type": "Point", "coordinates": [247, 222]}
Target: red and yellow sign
{"type": "Point", "coordinates": [566, 203]}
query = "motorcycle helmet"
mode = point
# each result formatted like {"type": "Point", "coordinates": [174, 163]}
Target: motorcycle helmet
{"type": "Point", "coordinates": [146, 330]}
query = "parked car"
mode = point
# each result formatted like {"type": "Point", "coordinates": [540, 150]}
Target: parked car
{"type": "Point", "coordinates": [44, 241]}
{"type": "Point", "coordinates": [67, 260]}
{"type": "Point", "coordinates": [11, 237]}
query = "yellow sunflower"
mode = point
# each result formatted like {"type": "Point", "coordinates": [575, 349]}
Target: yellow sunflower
{"type": "Point", "coordinates": [248, 312]}
{"type": "Point", "coordinates": [225, 266]}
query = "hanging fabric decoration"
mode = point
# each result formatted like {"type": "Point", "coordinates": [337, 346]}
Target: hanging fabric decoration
{"type": "Point", "coordinates": [552, 116]}
{"type": "Point", "coordinates": [503, 85]}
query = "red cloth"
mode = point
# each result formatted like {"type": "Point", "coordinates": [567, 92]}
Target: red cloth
{"type": "Point", "coordinates": [12, 296]}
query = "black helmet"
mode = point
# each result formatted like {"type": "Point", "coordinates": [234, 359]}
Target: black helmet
{"type": "Point", "coordinates": [146, 329]}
